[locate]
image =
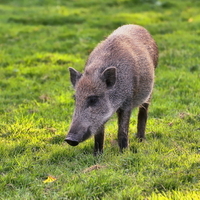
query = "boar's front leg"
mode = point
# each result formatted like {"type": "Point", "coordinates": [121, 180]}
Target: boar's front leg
{"type": "Point", "coordinates": [98, 141]}
{"type": "Point", "coordinates": [142, 119]}
{"type": "Point", "coordinates": [123, 126]}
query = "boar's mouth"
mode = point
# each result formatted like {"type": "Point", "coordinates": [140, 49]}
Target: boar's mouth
{"type": "Point", "coordinates": [71, 141]}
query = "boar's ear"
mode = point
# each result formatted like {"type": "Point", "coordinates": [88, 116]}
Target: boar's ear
{"type": "Point", "coordinates": [74, 76]}
{"type": "Point", "coordinates": [109, 76]}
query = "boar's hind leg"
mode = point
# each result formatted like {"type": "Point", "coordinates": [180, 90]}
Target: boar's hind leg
{"type": "Point", "coordinates": [98, 141]}
{"type": "Point", "coordinates": [142, 119]}
{"type": "Point", "coordinates": [123, 126]}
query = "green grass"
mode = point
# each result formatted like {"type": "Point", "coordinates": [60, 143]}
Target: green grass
{"type": "Point", "coordinates": [39, 40]}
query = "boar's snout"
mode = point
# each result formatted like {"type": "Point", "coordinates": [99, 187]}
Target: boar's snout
{"type": "Point", "coordinates": [75, 136]}
{"type": "Point", "coordinates": [71, 141]}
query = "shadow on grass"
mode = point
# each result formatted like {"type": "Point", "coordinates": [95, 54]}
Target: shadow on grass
{"type": "Point", "coordinates": [175, 180]}
{"type": "Point", "coordinates": [53, 21]}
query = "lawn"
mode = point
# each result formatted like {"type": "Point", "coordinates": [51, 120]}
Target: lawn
{"type": "Point", "coordinates": [39, 40]}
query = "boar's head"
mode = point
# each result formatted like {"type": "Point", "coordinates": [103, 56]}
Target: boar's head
{"type": "Point", "coordinates": [93, 102]}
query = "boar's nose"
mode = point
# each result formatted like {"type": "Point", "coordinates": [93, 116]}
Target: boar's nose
{"type": "Point", "coordinates": [71, 141]}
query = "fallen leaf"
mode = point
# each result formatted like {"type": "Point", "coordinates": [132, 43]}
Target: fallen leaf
{"type": "Point", "coordinates": [93, 167]}
{"type": "Point", "coordinates": [44, 97]}
{"type": "Point", "coordinates": [53, 130]}
{"type": "Point", "coordinates": [114, 143]}
{"type": "Point", "coordinates": [183, 115]}
{"type": "Point", "coordinates": [32, 110]}
{"type": "Point", "coordinates": [44, 78]}
{"type": "Point", "coordinates": [170, 124]}
{"type": "Point", "coordinates": [190, 20]}
{"type": "Point", "coordinates": [49, 179]}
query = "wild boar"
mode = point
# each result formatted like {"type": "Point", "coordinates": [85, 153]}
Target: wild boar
{"type": "Point", "coordinates": [118, 76]}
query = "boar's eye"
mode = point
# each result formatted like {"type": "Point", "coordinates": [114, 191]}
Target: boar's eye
{"type": "Point", "coordinates": [92, 101]}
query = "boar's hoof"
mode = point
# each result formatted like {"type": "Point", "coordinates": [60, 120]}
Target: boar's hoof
{"type": "Point", "coordinates": [71, 142]}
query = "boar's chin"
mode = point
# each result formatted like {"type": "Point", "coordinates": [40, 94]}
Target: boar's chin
{"type": "Point", "coordinates": [86, 135]}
